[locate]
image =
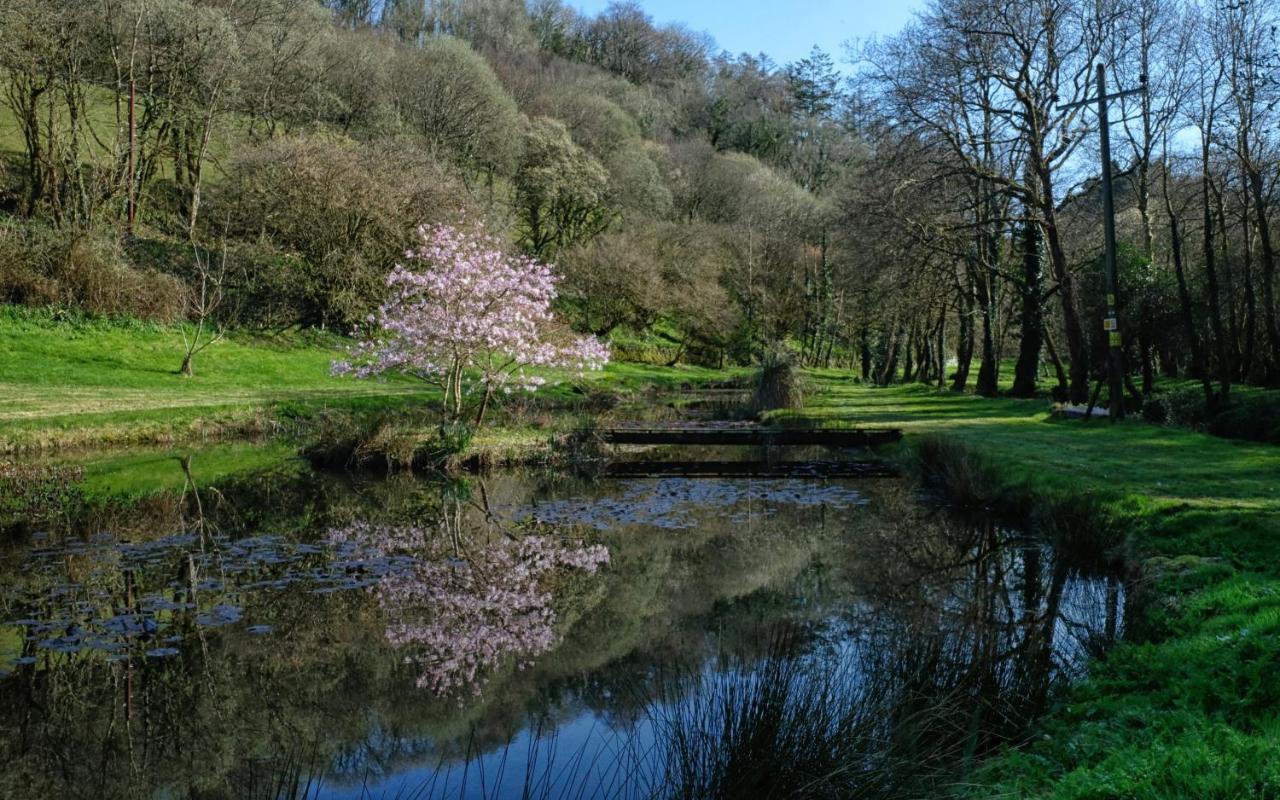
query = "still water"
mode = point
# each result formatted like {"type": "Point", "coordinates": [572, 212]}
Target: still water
{"type": "Point", "coordinates": [287, 633]}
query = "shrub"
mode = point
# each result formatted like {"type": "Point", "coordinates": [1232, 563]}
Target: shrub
{"type": "Point", "coordinates": [343, 441]}
{"type": "Point", "coordinates": [389, 441]}
{"type": "Point", "coordinates": [87, 270]}
{"type": "Point", "coordinates": [1183, 406]}
{"type": "Point", "coordinates": [1252, 417]}
{"type": "Point", "coordinates": [959, 472]}
{"type": "Point", "coordinates": [453, 438]}
{"type": "Point", "coordinates": [331, 218]}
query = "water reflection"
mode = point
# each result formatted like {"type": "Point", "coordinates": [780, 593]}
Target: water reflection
{"type": "Point", "coordinates": [526, 636]}
{"type": "Point", "coordinates": [465, 607]}
{"type": "Point", "coordinates": [130, 599]}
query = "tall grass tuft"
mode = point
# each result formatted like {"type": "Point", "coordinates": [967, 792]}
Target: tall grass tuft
{"type": "Point", "coordinates": [898, 721]}
{"type": "Point", "coordinates": [388, 442]}
{"type": "Point", "coordinates": [776, 729]}
{"type": "Point", "coordinates": [779, 384]}
{"type": "Point", "coordinates": [957, 471]}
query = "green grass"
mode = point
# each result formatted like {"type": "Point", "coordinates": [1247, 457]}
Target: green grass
{"type": "Point", "coordinates": [96, 382]}
{"type": "Point", "coordinates": [1190, 706]}
{"type": "Point", "coordinates": [90, 382]}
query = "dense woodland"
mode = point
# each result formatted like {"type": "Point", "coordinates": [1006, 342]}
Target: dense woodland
{"type": "Point", "coordinates": [906, 208]}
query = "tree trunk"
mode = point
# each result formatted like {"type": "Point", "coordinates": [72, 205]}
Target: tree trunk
{"type": "Point", "coordinates": [1268, 272]}
{"type": "Point", "coordinates": [1250, 323]}
{"type": "Point", "coordinates": [1225, 368]}
{"type": "Point", "coordinates": [964, 341]}
{"type": "Point", "coordinates": [942, 349]}
{"type": "Point", "coordinates": [1056, 360]}
{"type": "Point", "coordinates": [908, 366]}
{"type": "Point", "coordinates": [484, 405]}
{"type": "Point", "coordinates": [889, 371]}
{"type": "Point", "coordinates": [988, 368]}
{"type": "Point", "coordinates": [1077, 353]}
{"type": "Point", "coordinates": [1184, 297]}
{"type": "Point", "coordinates": [1146, 344]}
{"type": "Point", "coordinates": [31, 131]}
{"type": "Point", "coordinates": [865, 354]}
{"type": "Point", "coordinates": [1232, 320]}
{"type": "Point", "coordinates": [1027, 370]}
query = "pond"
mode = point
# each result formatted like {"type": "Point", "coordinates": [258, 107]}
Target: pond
{"type": "Point", "coordinates": [287, 633]}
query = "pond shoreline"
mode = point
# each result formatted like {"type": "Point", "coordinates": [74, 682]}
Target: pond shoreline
{"type": "Point", "coordinates": [1186, 705]}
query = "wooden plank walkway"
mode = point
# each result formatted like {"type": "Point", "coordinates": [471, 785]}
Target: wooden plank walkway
{"type": "Point", "coordinates": [750, 469]}
{"type": "Point", "coordinates": [744, 434]}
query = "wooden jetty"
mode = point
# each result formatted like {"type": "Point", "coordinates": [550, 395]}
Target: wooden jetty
{"type": "Point", "coordinates": [745, 434]}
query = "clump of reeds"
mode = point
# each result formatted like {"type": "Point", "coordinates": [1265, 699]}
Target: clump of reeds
{"type": "Point", "coordinates": [897, 721]}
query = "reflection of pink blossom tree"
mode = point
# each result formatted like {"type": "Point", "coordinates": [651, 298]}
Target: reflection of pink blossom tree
{"type": "Point", "coordinates": [463, 617]}
{"type": "Point", "coordinates": [470, 316]}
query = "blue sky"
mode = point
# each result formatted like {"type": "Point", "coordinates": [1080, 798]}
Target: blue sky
{"type": "Point", "coordinates": [784, 29]}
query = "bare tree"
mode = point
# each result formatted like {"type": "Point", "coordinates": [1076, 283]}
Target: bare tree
{"type": "Point", "coordinates": [204, 300]}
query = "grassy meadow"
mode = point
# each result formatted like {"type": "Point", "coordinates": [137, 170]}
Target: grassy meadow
{"type": "Point", "coordinates": [68, 381]}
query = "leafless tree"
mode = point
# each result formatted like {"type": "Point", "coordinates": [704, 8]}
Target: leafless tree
{"type": "Point", "coordinates": [204, 300]}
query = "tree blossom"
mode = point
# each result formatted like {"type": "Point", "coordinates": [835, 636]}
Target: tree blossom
{"type": "Point", "coordinates": [459, 618]}
{"type": "Point", "coordinates": [467, 316]}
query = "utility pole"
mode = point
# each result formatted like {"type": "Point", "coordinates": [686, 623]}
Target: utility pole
{"type": "Point", "coordinates": [1115, 348]}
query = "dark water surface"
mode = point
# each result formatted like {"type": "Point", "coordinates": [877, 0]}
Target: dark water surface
{"type": "Point", "coordinates": [292, 634]}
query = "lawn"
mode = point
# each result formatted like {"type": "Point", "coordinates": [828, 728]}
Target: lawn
{"type": "Point", "coordinates": [1190, 707]}
{"type": "Point", "coordinates": [90, 382]}
{"type": "Point", "coordinates": [76, 381]}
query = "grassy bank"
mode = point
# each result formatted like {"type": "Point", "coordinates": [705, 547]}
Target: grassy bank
{"type": "Point", "coordinates": [1190, 706]}
{"type": "Point", "coordinates": [69, 382]}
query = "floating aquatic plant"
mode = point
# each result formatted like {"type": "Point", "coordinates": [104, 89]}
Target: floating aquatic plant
{"type": "Point", "coordinates": [674, 502]}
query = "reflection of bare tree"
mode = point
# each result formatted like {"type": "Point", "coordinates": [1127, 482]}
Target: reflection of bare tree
{"type": "Point", "coordinates": [955, 656]}
{"type": "Point", "coordinates": [976, 620]}
{"type": "Point", "coordinates": [191, 503]}
{"type": "Point", "coordinates": [195, 520]}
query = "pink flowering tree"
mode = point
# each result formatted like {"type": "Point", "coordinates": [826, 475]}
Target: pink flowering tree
{"type": "Point", "coordinates": [465, 315]}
